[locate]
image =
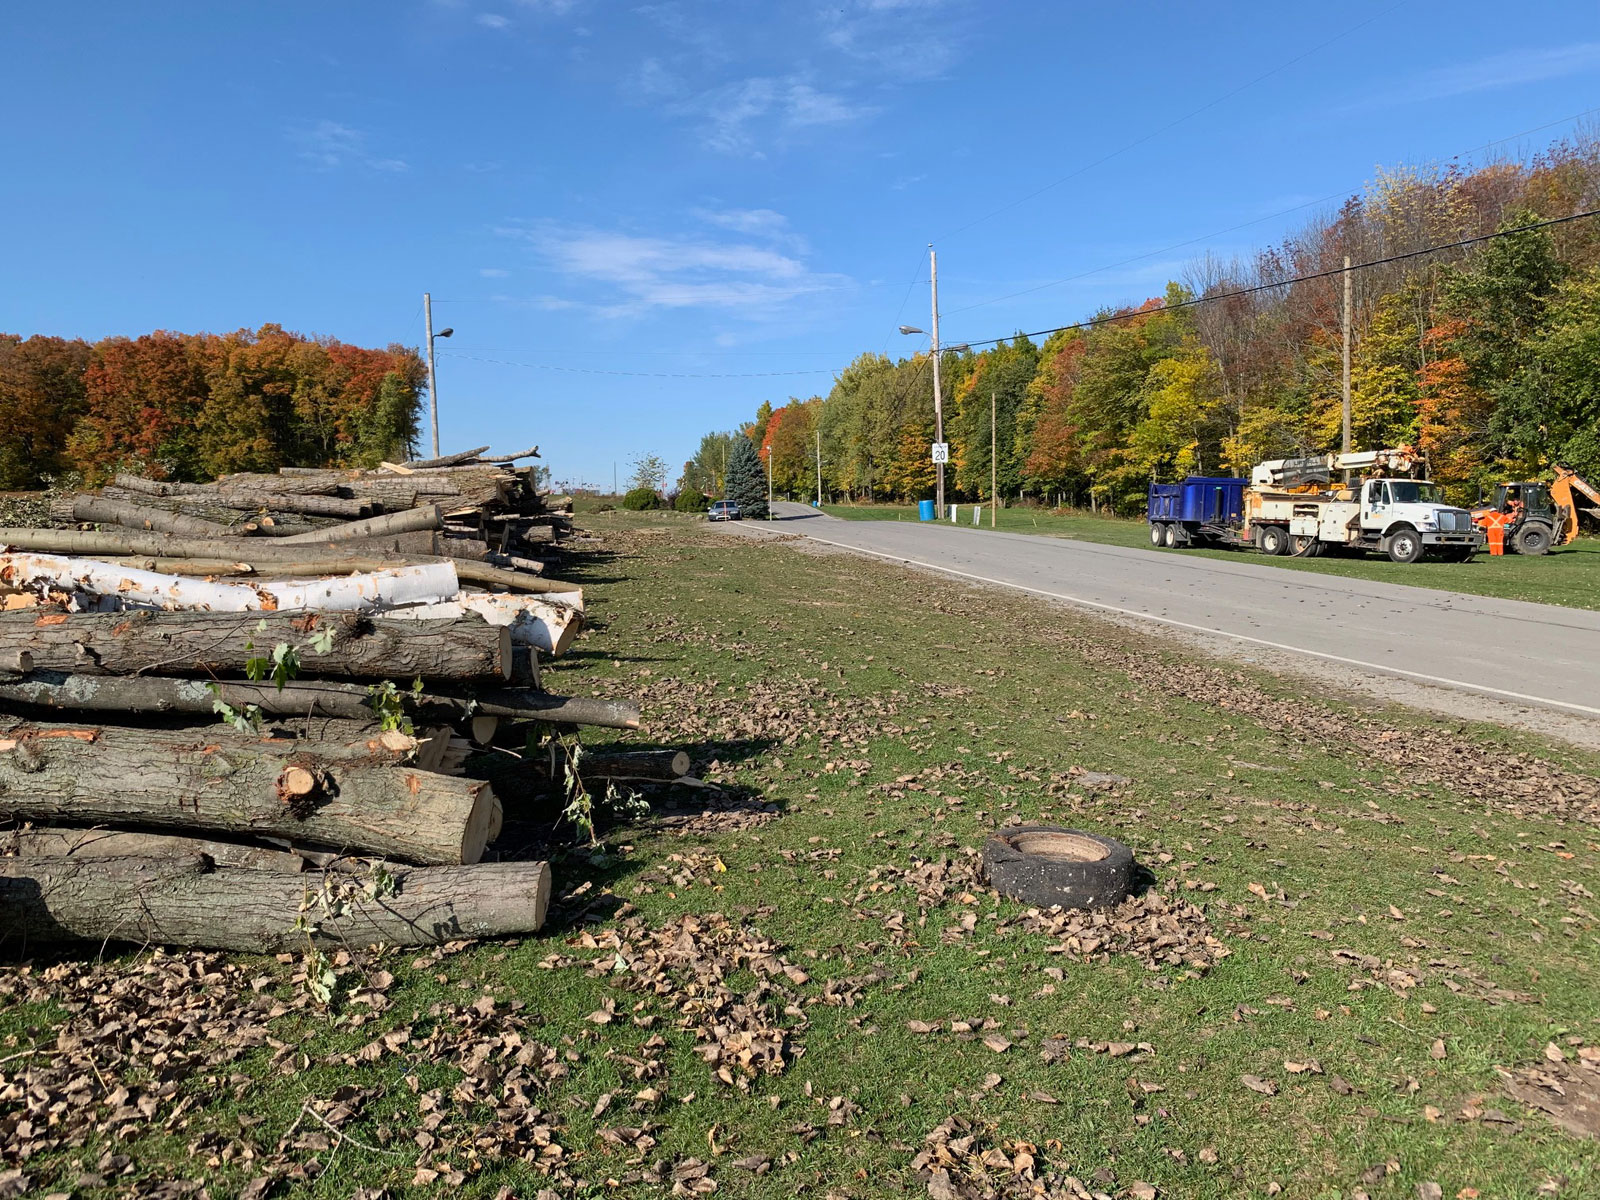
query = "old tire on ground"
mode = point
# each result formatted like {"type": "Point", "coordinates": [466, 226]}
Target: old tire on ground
{"type": "Point", "coordinates": [1533, 539]}
{"type": "Point", "coordinates": [1046, 865]}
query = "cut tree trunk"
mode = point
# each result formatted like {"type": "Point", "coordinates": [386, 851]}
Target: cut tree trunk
{"type": "Point", "coordinates": [444, 460]}
{"type": "Point", "coordinates": [356, 796]}
{"type": "Point", "coordinates": [156, 487]}
{"type": "Point", "coordinates": [182, 902]}
{"type": "Point", "coordinates": [542, 624]}
{"type": "Point", "coordinates": [665, 765]}
{"type": "Point", "coordinates": [49, 841]}
{"type": "Point", "coordinates": [531, 452]}
{"type": "Point", "coordinates": [145, 694]}
{"type": "Point", "coordinates": [412, 520]}
{"type": "Point", "coordinates": [137, 516]}
{"type": "Point", "coordinates": [286, 502]}
{"type": "Point", "coordinates": [426, 584]}
{"type": "Point", "coordinates": [209, 644]}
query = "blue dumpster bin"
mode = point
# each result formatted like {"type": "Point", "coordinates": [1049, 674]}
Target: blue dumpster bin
{"type": "Point", "coordinates": [925, 511]}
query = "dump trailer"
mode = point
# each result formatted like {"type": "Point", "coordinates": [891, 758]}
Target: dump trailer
{"type": "Point", "coordinates": [1203, 510]}
{"type": "Point", "coordinates": [1295, 506]}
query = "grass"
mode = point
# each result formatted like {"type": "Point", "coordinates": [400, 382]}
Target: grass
{"type": "Point", "coordinates": [890, 717]}
{"type": "Point", "coordinates": [1569, 576]}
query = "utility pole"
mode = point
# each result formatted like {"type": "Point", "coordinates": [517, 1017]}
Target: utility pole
{"type": "Point", "coordinates": [994, 470]}
{"type": "Point", "coordinates": [938, 398]}
{"type": "Point", "coordinates": [769, 483]}
{"type": "Point", "coordinates": [613, 479]}
{"type": "Point", "coordinates": [433, 383]}
{"type": "Point", "coordinates": [1345, 443]}
{"type": "Point", "coordinates": [819, 466]}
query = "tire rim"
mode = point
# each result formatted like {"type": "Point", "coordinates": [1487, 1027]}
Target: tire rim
{"type": "Point", "coordinates": [1060, 847]}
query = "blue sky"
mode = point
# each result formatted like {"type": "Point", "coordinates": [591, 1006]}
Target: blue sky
{"type": "Point", "coordinates": [642, 220]}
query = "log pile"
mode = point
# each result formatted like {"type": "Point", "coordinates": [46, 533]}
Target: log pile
{"type": "Point", "coordinates": [236, 714]}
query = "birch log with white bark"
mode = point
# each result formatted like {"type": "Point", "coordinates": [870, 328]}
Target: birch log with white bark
{"type": "Point", "coordinates": [185, 902]}
{"type": "Point", "coordinates": [549, 623]}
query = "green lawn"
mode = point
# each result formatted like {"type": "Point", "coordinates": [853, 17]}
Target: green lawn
{"type": "Point", "coordinates": [1402, 903]}
{"type": "Point", "coordinates": [1570, 576]}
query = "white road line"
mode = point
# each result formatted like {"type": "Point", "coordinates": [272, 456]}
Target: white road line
{"type": "Point", "coordinates": [1241, 637]}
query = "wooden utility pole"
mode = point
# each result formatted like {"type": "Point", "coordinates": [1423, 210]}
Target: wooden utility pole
{"type": "Point", "coordinates": [994, 471]}
{"type": "Point", "coordinates": [819, 465]}
{"type": "Point", "coordinates": [1345, 442]}
{"type": "Point", "coordinates": [938, 399]}
{"type": "Point", "coordinates": [433, 386]}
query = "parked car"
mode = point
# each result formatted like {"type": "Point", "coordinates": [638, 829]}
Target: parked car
{"type": "Point", "coordinates": [723, 510]}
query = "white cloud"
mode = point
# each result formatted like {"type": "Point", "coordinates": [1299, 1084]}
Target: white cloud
{"type": "Point", "coordinates": [493, 21]}
{"type": "Point", "coordinates": [746, 220]}
{"type": "Point", "coordinates": [329, 145]}
{"type": "Point", "coordinates": [901, 39]}
{"type": "Point", "coordinates": [493, 272]}
{"type": "Point", "coordinates": [745, 115]}
{"type": "Point", "coordinates": [634, 274]}
{"type": "Point", "coordinates": [1509, 69]}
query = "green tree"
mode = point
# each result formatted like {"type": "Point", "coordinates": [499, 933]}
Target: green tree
{"type": "Point", "coordinates": [747, 479]}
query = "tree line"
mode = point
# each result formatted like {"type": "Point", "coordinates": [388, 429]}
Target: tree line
{"type": "Point", "coordinates": [194, 406]}
{"type": "Point", "coordinates": [1485, 356]}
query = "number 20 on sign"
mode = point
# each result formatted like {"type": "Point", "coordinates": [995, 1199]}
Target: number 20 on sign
{"type": "Point", "coordinates": [941, 452]}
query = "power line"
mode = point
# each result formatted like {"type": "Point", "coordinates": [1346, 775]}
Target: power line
{"type": "Point", "coordinates": [1283, 283]}
{"type": "Point", "coordinates": [1245, 224]}
{"type": "Point", "coordinates": [500, 362]}
{"type": "Point", "coordinates": [1155, 133]}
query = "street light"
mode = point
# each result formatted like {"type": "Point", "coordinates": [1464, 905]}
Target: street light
{"type": "Point", "coordinates": [433, 383]}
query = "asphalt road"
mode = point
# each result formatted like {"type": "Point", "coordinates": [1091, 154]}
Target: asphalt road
{"type": "Point", "coordinates": [1504, 649]}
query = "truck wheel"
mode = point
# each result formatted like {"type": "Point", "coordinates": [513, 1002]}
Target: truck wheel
{"type": "Point", "coordinates": [1158, 534]}
{"type": "Point", "coordinates": [1045, 865]}
{"type": "Point", "coordinates": [1405, 546]}
{"type": "Point", "coordinates": [1305, 547]}
{"type": "Point", "coordinates": [1174, 537]}
{"type": "Point", "coordinates": [1273, 539]}
{"type": "Point", "coordinates": [1533, 539]}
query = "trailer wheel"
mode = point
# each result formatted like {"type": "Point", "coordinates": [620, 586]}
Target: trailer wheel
{"type": "Point", "coordinates": [1273, 539]}
{"type": "Point", "coordinates": [1405, 546]}
{"type": "Point", "coordinates": [1174, 537]}
{"type": "Point", "coordinates": [1305, 547]}
{"type": "Point", "coordinates": [1158, 534]}
{"type": "Point", "coordinates": [1533, 539]}
{"type": "Point", "coordinates": [1046, 865]}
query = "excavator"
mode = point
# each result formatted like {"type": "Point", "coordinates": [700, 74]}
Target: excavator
{"type": "Point", "coordinates": [1530, 517]}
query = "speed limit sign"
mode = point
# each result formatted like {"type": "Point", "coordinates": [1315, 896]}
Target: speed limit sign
{"type": "Point", "coordinates": [941, 452]}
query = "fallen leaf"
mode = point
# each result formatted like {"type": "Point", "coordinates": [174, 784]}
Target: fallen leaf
{"type": "Point", "coordinates": [1256, 1084]}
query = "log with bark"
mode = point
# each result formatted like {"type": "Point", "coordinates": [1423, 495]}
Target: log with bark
{"type": "Point", "coordinates": [444, 460]}
{"type": "Point", "coordinates": [358, 796]}
{"type": "Point", "coordinates": [207, 644]}
{"type": "Point", "coordinates": [655, 765]}
{"type": "Point", "coordinates": [98, 509]}
{"type": "Point", "coordinates": [48, 841]}
{"type": "Point", "coordinates": [59, 691]}
{"type": "Point", "coordinates": [430, 583]}
{"type": "Point", "coordinates": [413, 520]}
{"type": "Point", "coordinates": [187, 902]}
{"type": "Point", "coordinates": [549, 624]}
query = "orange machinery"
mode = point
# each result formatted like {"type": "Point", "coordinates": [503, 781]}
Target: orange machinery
{"type": "Point", "coordinates": [1532, 518]}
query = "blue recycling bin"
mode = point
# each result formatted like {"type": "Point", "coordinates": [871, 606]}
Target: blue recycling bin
{"type": "Point", "coordinates": [925, 511]}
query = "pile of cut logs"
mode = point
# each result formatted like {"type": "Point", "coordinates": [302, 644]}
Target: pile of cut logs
{"type": "Point", "coordinates": [235, 714]}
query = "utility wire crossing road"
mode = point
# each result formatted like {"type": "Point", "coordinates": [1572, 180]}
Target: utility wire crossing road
{"type": "Point", "coordinates": [1508, 649]}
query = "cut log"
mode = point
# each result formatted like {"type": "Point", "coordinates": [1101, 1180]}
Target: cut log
{"type": "Point", "coordinates": [429, 583]}
{"type": "Point", "coordinates": [182, 902]}
{"type": "Point", "coordinates": [427, 518]}
{"type": "Point", "coordinates": [355, 796]}
{"type": "Point", "coordinates": [58, 840]}
{"type": "Point", "coordinates": [663, 765]}
{"type": "Point", "coordinates": [306, 505]}
{"type": "Point", "coordinates": [138, 516]}
{"type": "Point", "coordinates": [208, 644]}
{"type": "Point", "coordinates": [157, 487]}
{"type": "Point", "coordinates": [530, 452]}
{"type": "Point", "coordinates": [444, 460]}
{"type": "Point", "coordinates": [539, 623]}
